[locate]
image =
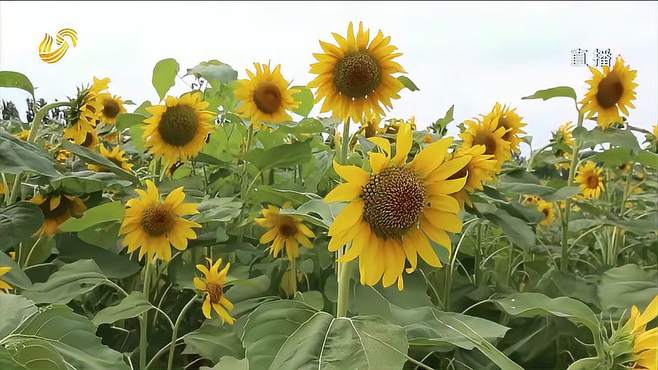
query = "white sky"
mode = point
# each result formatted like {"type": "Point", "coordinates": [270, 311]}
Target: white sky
{"type": "Point", "coordinates": [467, 54]}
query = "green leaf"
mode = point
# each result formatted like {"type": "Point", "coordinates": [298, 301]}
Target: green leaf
{"type": "Point", "coordinates": [164, 76]}
{"type": "Point", "coordinates": [85, 182]}
{"type": "Point", "coordinates": [17, 156]}
{"type": "Point", "coordinates": [312, 298]}
{"type": "Point", "coordinates": [16, 80]}
{"type": "Point", "coordinates": [441, 123]}
{"type": "Point", "coordinates": [93, 157]}
{"type": "Point", "coordinates": [213, 341]}
{"type": "Point", "coordinates": [131, 306]}
{"type": "Point", "coordinates": [554, 92]}
{"type": "Point", "coordinates": [588, 363]}
{"type": "Point", "coordinates": [647, 158]}
{"type": "Point", "coordinates": [518, 231]}
{"type": "Point", "coordinates": [627, 285]}
{"type": "Point", "coordinates": [522, 188]}
{"type": "Point", "coordinates": [127, 120]}
{"type": "Point", "coordinates": [112, 211]}
{"type": "Point", "coordinates": [305, 99]}
{"type": "Point", "coordinates": [280, 156]}
{"type": "Point", "coordinates": [408, 83]}
{"type": "Point", "coordinates": [218, 209]}
{"type": "Point", "coordinates": [562, 193]}
{"type": "Point", "coordinates": [71, 335]}
{"type": "Point", "coordinates": [112, 265]}
{"type": "Point", "coordinates": [16, 277]}
{"type": "Point", "coordinates": [229, 363]}
{"type": "Point", "coordinates": [15, 309]}
{"type": "Point", "coordinates": [19, 222]}
{"type": "Point", "coordinates": [70, 281]}
{"type": "Point", "coordinates": [316, 211]}
{"type": "Point", "coordinates": [213, 70]}
{"type": "Point", "coordinates": [36, 354]}
{"type": "Point", "coordinates": [615, 137]}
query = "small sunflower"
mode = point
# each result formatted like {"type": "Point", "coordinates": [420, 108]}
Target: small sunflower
{"type": "Point", "coordinates": [591, 181]}
{"type": "Point", "coordinates": [480, 169]}
{"type": "Point", "coordinates": [356, 77]}
{"type": "Point", "coordinates": [265, 96]}
{"type": "Point", "coordinates": [393, 125]}
{"type": "Point", "coordinates": [153, 226]}
{"type": "Point", "coordinates": [178, 129]}
{"type": "Point", "coordinates": [4, 286]}
{"type": "Point", "coordinates": [529, 199]}
{"type": "Point", "coordinates": [62, 155]}
{"type": "Point", "coordinates": [486, 132]}
{"type": "Point", "coordinates": [111, 107]}
{"type": "Point", "coordinates": [284, 231]}
{"type": "Point", "coordinates": [23, 135]}
{"type": "Point", "coordinates": [547, 209]}
{"type": "Point", "coordinates": [56, 209]}
{"type": "Point", "coordinates": [509, 120]}
{"type": "Point", "coordinates": [116, 156]}
{"type": "Point", "coordinates": [563, 137]}
{"type": "Point", "coordinates": [611, 91]}
{"type": "Point", "coordinates": [212, 285]}
{"type": "Point", "coordinates": [85, 112]}
{"type": "Point", "coordinates": [645, 342]}
{"type": "Point", "coordinates": [397, 208]}
{"type": "Point", "coordinates": [370, 125]}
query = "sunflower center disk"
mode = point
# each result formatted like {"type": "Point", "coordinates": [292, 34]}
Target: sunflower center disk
{"type": "Point", "coordinates": [267, 97]}
{"type": "Point", "coordinates": [505, 124]}
{"type": "Point", "coordinates": [487, 140]}
{"type": "Point", "coordinates": [157, 220]}
{"type": "Point", "coordinates": [592, 182]}
{"type": "Point", "coordinates": [89, 140]}
{"type": "Point", "coordinates": [178, 125]}
{"type": "Point", "coordinates": [393, 201]}
{"type": "Point", "coordinates": [60, 210]}
{"type": "Point", "coordinates": [287, 229]}
{"type": "Point", "coordinates": [215, 291]}
{"type": "Point", "coordinates": [357, 75]}
{"type": "Point", "coordinates": [110, 108]}
{"type": "Point", "coordinates": [610, 90]}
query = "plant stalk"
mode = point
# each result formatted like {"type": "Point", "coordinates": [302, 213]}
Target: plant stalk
{"type": "Point", "coordinates": [174, 333]}
{"type": "Point", "coordinates": [564, 260]}
{"type": "Point", "coordinates": [143, 332]}
{"type": "Point", "coordinates": [342, 270]}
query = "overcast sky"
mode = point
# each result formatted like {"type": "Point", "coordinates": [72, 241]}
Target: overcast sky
{"type": "Point", "coordinates": [467, 54]}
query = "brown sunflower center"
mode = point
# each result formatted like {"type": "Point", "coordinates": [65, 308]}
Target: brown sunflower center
{"type": "Point", "coordinates": [158, 220]}
{"type": "Point", "coordinates": [393, 200]}
{"type": "Point", "coordinates": [111, 108]}
{"type": "Point", "coordinates": [215, 291]}
{"type": "Point", "coordinates": [357, 75]}
{"type": "Point", "coordinates": [178, 125]}
{"type": "Point", "coordinates": [486, 139]}
{"type": "Point", "coordinates": [503, 122]}
{"type": "Point", "coordinates": [459, 174]}
{"type": "Point", "coordinates": [546, 212]}
{"type": "Point", "coordinates": [63, 208]}
{"type": "Point", "coordinates": [610, 90]}
{"type": "Point", "coordinates": [89, 140]}
{"type": "Point", "coordinates": [267, 97]}
{"type": "Point", "coordinates": [592, 181]}
{"type": "Point", "coordinates": [287, 229]}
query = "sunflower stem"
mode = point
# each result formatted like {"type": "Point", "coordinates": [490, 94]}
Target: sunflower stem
{"type": "Point", "coordinates": [143, 332]}
{"type": "Point", "coordinates": [174, 333]}
{"type": "Point", "coordinates": [250, 135]}
{"type": "Point", "coordinates": [342, 272]}
{"type": "Point", "coordinates": [343, 289]}
{"type": "Point", "coordinates": [293, 272]}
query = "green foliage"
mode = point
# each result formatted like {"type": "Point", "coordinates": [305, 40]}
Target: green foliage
{"type": "Point", "coordinates": [16, 80]}
{"type": "Point", "coordinates": [164, 76]}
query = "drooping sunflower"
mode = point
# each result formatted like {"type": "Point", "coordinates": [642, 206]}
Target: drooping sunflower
{"type": "Point", "coordinates": [508, 119]}
{"type": "Point", "coordinates": [4, 286]}
{"type": "Point", "coordinates": [85, 111]}
{"type": "Point", "coordinates": [610, 91]}
{"type": "Point", "coordinates": [397, 208]}
{"type": "Point", "coordinates": [116, 156]}
{"type": "Point", "coordinates": [265, 96]}
{"type": "Point", "coordinates": [284, 231]}
{"type": "Point", "coordinates": [56, 209]}
{"type": "Point", "coordinates": [547, 209]}
{"type": "Point", "coordinates": [480, 169]}
{"type": "Point", "coordinates": [178, 129]}
{"type": "Point", "coordinates": [486, 132]}
{"type": "Point", "coordinates": [591, 181]}
{"type": "Point", "coordinates": [644, 351]}
{"type": "Point", "coordinates": [356, 76]}
{"type": "Point", "coordinates": [564, 141]}
{"type": "Point", "coordinates": [153, 226]}
{"type": "Point", "coordinates": [212, 285]}
{"type": "Point", "coordinates": [111, 107]}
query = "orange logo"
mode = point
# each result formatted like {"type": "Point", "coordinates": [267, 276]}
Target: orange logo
{"type": "Point", "coordinates": [47, 54]}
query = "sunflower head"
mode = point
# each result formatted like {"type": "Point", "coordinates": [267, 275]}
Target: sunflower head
{"type": "Point", "coordinates": [611, 91]}
{"type": "Point", "coordinates": [91, 139]}
{"type": "Point", "coordinates": [529, 199]}
{"type": "Point", "coordinates": [212, 285]}
{"type": "Point", "coordinates": [355, 76]}
{"type": "Point", "coordinates": [153, 226]}
{"type": "Point", "coordinates": [635, 345]}
{"type": "Point", "coordinates": [480, 169]}
{"type": "Point", "coordinates": [56, 209]}
{"type": "Point", "coordinates": [511, 122]}
{"type": "Point", "coordinates": [23, 135]}
{"type": "Point", "coordinates": [547, 209]}
{"type": "Point", "coordinates": [284, 230]}
{"type": "Point", "coordinates": [393, 125]}
{"type": "Point", "coordinates": [397, 207]}
{"type": "Point", "coordinates": [111, 106]}
{"type": "Point", "coordinates": [85, 111]}
{"type": "Point", "coordinates": [4, 286]}
{"type": "Point", "coordinates": [487, 133]}
{"type": "Point", "coordinates": [62, 155]}
{"type": "Point", "coordinates": [116, 156]}
{"type": "Point", "coordinates": [591, 180]}
{"type": "Point", "coordinates": [371, 125]}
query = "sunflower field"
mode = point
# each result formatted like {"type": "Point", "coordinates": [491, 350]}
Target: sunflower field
{"type": "Point", "coordinates": [229, 229]}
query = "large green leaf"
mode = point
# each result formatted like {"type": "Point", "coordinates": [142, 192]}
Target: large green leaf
{"type": "Point", "coordinates": [85, 182]}
{"type": "Point", "coordinates": [229, 363]}
{"type": "Point", "coordinates": [292, 335]}
{"type": "Point", "coordinates": [517, 230]}
{"type": "Point", "coordinates": [164, 76]}
{"type": "Point", "coordinates": [280, 156]}
{"type": "Point", "coordinates": [19, 222]}
{"type": "Point", "coordinates": [127, 120]}
{"type": "Point", "coordinates": [35, 354]}
{"type": "Point", "coordinates": [112, 265]}
{"type": "Point", "coordinates": [554, 92]}
{"type": "Point", "coordinates": [627, 285]}
{"type": "Point", "coordinates": [131, 306]}
{"type": "Point", "coordinates": [304, 98]}
{"type": "Point", "coordinates": [615, 137]}
{"type": "Point", "coordinates": [213, 70]}
{"type": "Point", "coordinates": [16, 80]}
{"type": "Point", "coordinates": [93, 157]}
{"type": "Point", "coordinates": [213, 341]}
{"type": "Point", "coordinates": [406, 81]}
{"type": "Point", "coordinates": [15, 309]}
{"type": "Point", "coordinates": [17, 156]}
{"type": "Point", "coordinates": [16, 277]}
{"type": "Point", "coordinates": [316, 211]}
{"type": "Point", "coordinates": [112, 211]}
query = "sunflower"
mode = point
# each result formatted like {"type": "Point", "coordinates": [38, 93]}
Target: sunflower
{"type": "Point", "coordinates": [393, 125]}
{"type": "Point", "coordinates": [486, 132]}
{"type": "Point", "coordinates": [284, 230]}
{"type": "Point", "coordinates": [116, 156]}
{"type": "Point", "coordinates": [591, 181]}
{"type": "Point", "coordinates": [212, 285]}
{"type": "Point", "coordinates": [355, 77]}
{"type": "Point", "coordinates": [428, 138]}
{"type": "Point", "coordinates": [91, 139]}
{"type": "Point", "coordinates": [4, 286]}
{"type": "Point", "coordinates": [23, 135]}
{"type": "Point", "coordinates": [610, 91]}
{"type": "Point", "coordinates": [397, 208]}
{"type": "Point", "coordinates": [178, 129]}
{"type": "Point", "coordinates": [564, 140]}
{"type": "Point", "coordinates": [62, 155]}
{"type": "Point", "coordinates": [546, 208]}
{"type": "Point", "coordinates": [265, 96]}
{"type": "Point", "coordinates": [111, 107]}
{"type": "Point", "coordinates": [509, 120]}
{"type": "Point", "coordinates": [56, 209]}
{"type": "Point", "coordinates": [529, 199]}
{"type": "Point", "coordinates": [644, 352]}
{"type": "Point", "coordinates": [370, 125]}
{"type": "Point", "coordinates": [480, 169]}
{"type": "Point", "coordinates": [151, 225]}
{"type": "Point", "coordinates": [85, 112]}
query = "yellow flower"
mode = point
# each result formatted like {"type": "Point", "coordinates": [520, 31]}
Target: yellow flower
{"type": "Point", "coordinates": [56, 209]}
{"type": "Point", "coordinates": [355, 77]}
{"type": "Point", "coordinates": [91, 139]}
{"type": "Point", "coordinates": [212, 285]}
{"type": "Point", "coordinates": [111, 107]}
{"type": "Point", "coordinates": [530, 199]}
{"type": "Point", "coordinates": [23, 135]}
{"type": "Point", "coordinates": [480, 169]}
{"type": "Point", "coordinates": [178, 129]}
{"type": "Point", "coordinates": [370, 125]}
{"type": "Point", "coordinates": [591, 181]}
{"type": "Point", "coordinates": [645, 342]}
{"type": "Point", "coordinates": [654, 130]}
{"type": "Point", "coordinates": [564, 135]}
{"type": "Point", "coordinates": [265, 96]}
{"type": "Point", "coordinates": [4, 286]}
{"type": "Point", "coordinates": [61, 155]}
{"type": "Point", "coordinates": [427, 138]}
{"type": "Point", "coordinates": [509, 120]}
{"type": "Point", "coordinates": [86, 112]}
{"type": "Point", "coordinates": [547, 209]}
{"type": "Point", "coordinates": [152, 226]}
{"type": "Point", "coordinates": [486, 132]}
{"type": "Point", "coordinates": [611, 91]}
{"type": "Point", "coordinates": [396, 208]}
{"type": "Point", "coordinates": [284, 230]}
{"type": "Point", "coordinates": [393, 125]}
{"type": "Point", "coordinates": [116, 156]}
